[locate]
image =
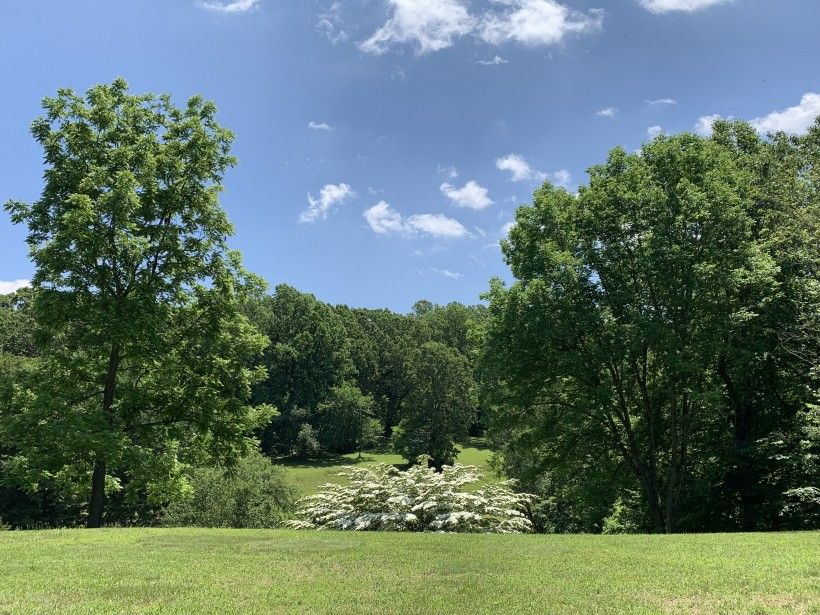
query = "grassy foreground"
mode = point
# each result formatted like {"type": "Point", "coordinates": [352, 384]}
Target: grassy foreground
{"type": "Point", "coordinates": [279, 571]}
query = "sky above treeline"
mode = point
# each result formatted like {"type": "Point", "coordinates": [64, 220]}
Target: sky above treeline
{"type": "Point", "coordinates": [385, 144]}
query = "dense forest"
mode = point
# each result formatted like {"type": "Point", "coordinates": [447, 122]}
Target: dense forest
{"type": "Point", "coordinates": [653, 367]}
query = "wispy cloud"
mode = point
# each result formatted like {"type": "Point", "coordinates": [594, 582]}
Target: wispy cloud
{"type": "Point", "coordinates": [662, 102]}
{"type": "Point", "coordinates": [792, 120]}
{"type": "Point", "coordinates": [330, 196]}
{"type": "Point", "coordinates": [384, 220]}
{"type": "Point", "coordinates": [607, 112]}
{"type": "Point", "coordinates": [654, 131]}
{"type": "Point", "coordinates": [237, 6]}
{"type": "Point", "coordinates": [471, 195]}
{"type": "Point", "coordinates": [687, 6]}
{"type": "Point", "coordinates": [447, 273]}
{"type": "Point", "coordinates": [9, 286]}
{"type": "Point", "coordinates": [450, 171]}
{"type": "Point", "coordinates": [331, 25]}
{"type": "Point", "coordinates": [496, 61]}
{"type": "Point", "coordinates": [319, 126]}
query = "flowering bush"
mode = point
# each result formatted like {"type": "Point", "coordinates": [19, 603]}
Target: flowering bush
{"type": "Point", "coordinates": [417, 500]}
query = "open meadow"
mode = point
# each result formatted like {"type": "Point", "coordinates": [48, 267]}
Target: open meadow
{"type": "Point", "coordinates": [286, 571]}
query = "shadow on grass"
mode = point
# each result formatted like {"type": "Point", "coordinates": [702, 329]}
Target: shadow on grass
{"type": "Point", "coordinates": [329, 461]}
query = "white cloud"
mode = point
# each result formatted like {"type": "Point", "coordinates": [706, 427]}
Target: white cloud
{"type": "Point", "coordinates": [384, 220]}
{"type": "Point", "coordinates": [561, 177]}
{"type": "Point", "coordinates": [662, 101]}
{"type": "Point", "coordinates": [505, 230]}
{"type": "Point", "coordinates": [666, 6]}
{"type": "Point", "coordinates": [654, 131]}
{"type": "Point", "coordinates": [450, 171]}
{"type": "Point", "coordinates": [319, 126]}
{"type": "Point", "coordinates": [330, 196]}
{"type": "Point", "coordinates": [496, 61]}
{"type": "Point", "coordinates": [447, 273]}
{"type": "Point", "coordinates": [472, 195]}
{"type": "Point", "coordinates": [331, 25]}
{"type": "Point", "coordinates": [795, 119]}
{"type": "Point", "coordinates": [607, 112]}
{"type": "Point", "coordinates": [10, 286]}
{"type": "Point", "coordinates": [536, 22]}
{"type": "Point", "coordinates": [519, 167]}
{"type": "Point", "coordinates": [429, 25]}
{"type": "Point", "coordinates": [237, 6]}
{"type": "Point", "coordinates": [704, 124]}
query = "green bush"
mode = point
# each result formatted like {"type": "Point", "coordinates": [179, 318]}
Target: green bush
{"type": "Point", "coordinates": [254, 494]}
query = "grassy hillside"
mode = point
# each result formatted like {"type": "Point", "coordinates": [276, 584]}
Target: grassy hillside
{"type": "Point", "coordinates": [308, 476]}
{"type": "Point", "coordinates": [275, 571]}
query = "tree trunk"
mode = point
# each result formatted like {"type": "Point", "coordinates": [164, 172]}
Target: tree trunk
{"type": "Point", "coordinates": [97, 502]}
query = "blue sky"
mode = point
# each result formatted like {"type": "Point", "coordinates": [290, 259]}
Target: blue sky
{"type": "Point", "coordinates": [384, 144]}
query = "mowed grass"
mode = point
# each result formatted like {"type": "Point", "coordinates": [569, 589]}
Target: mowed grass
{"type": "Point", "coordinates": [284, 571]}
{"type": "Point", "coordinates": [308, 476]}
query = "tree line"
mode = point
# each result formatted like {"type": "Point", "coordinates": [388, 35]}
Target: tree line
{"type": "Point", "coordinates": [653, 367]}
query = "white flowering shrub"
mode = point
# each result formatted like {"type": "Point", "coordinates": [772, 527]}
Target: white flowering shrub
{"type": "Point", "coordinates": [417, 500]}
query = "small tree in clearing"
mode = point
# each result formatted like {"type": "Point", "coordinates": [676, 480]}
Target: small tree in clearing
{"type": "Point", "coordinates": [417, 500]}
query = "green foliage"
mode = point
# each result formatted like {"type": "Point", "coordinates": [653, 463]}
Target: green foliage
{"type": "Point", "coordinates": [346, 420]}
{"type": "Point", "coordinates": [136, 296]}
{"type": "Point", "coordinates": [440, 405]}
{"type": "Point", "coordinates": [383, 498]}
{"type": "Point", "coordinates": [307, 444]}
{"type": "Point", "coordinates": [643, 339]}
{"type": "Point", "coordinates": [252, 494]}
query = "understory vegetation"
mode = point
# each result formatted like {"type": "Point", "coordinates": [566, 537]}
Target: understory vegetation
{"type": "Point", "coordinates": [653, 367]}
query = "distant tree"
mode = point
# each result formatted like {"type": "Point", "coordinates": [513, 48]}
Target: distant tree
{"type": "Point", "coordinates": [346, 422]}
{"type": "Point", "coordinates": [307, 445]}
{"type": "Point", "coordinates": [308, 356]}
{"type": "Point", "coordinates": [440, 405]}
{"type": "Point", "coordinates": [145, 352]}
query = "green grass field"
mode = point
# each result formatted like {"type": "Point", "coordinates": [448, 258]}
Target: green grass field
{"type": "Point", "coordinates": [284, 571]}
{"type": "Point", "coordinates": [308, 476]}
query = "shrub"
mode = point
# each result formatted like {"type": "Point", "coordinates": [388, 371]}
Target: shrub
{"type": "Point", "coordinates": [418, 500]}
{"type": "Point", "coordinates": [307, 443]}
{"type": "Point", "coordinates": [254, 494]}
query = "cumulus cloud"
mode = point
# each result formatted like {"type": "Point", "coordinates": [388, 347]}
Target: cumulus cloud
{"type": "Point", "coordinates": [704, 124]}
{"type": "Point", "coordinates": [607, 112]}
{"type": "Point", "coordinates": [330, 196]}
{"type": "Point", "coordinates": [9, 286]}
{"type": "Point", "coordinates": [319, 126]}
{"type": "Point", "coordinates": [519, 168]}
{"type": "Point", "coordinates": [384, 220]}
{"type": "Point", "coordinates": [237, 6]}
{"type": "Point", "coordinates": [654, 131]}
{"type": "Point", "coordinates": [447, 273]}
{"type": "Point", "coordinates": [428, 25]}
{"type": "Point", "coordinates": [662, 102]}
{"type": "Point", "coordinates": [471, 195]}
{"type": "Point", "coordinates": [561, 177]}
{"type": "Point", "coordinates": [792, 120]}
{"type": "Point", "coordinates": [666, 6]}
{"type": "Point", "coordinates": [432, 25]}
{"type": "Point", "coordinates": [536, 22]}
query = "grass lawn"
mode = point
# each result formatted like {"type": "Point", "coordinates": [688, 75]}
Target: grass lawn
{"type": "Point", "coordinates": [285, 571]}
{"type": "Point", "coordinates": [308, 476]}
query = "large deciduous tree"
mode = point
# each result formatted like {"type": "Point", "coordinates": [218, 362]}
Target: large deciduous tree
{"type": "Point", "coordinates": [145, 352]}
{"type": "Point", "coordinates": [643, 329]}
